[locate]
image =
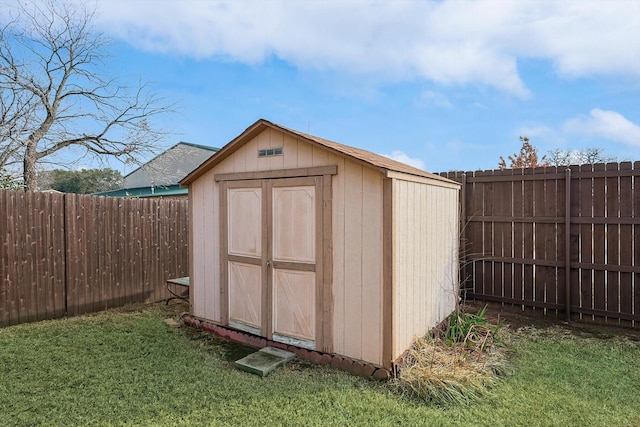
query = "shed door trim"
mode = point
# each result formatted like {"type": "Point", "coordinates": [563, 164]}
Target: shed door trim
{"type": "Point", "coordinates": [323, 265]}
{"type": "Point", "coordinates": [276, 174]}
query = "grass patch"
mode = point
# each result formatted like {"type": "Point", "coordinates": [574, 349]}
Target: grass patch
{"type": "Point", "coordinates": [128, 368]}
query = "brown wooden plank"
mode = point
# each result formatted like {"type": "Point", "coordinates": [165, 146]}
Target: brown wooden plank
{"type": "Point", "coordinates": [92, 281]}
{"type": "Point", "coordinates": [71, 264]}
{"type": "Point", "coordinates": [12, 261]}
{"type": "Point", "coordinates": [165, 240]}
{"type": "Point", "coordinates": [553, 206]}
{"type": "Point", "coordinates": [7, 248]}
{"type": "Point", "coordinates": [84, 245]}
{"type": "Point", "coordinates": [43, 236]}
{"type": "Point", "coordinates": [613, 240]}
{"type": "Point", "coordinates": [464, 219]}
{"type": "Point", "coordinates": [30, 272]}
{"type": "Point", "coordinates": [539, 235]}
{"type": "Point", "coordinates": [599, 239]}
{"type": "Point", "coordinates": [22, 237]}
{"type": "Point", "coordinates": [144, 236]}
{"type": "Point", "coordinates": [518, 236]}
{"type": "Point", "coordinates": [528, 235]}
{"type": "Point", "coordinates": [574, 240]}
{"type": "Point", "coordinates": [105, 264]}
{"type": "Point", "coordinates": [484, 269]}
{"type": "Point", "coordinates": [46, 222]}
{"type": "Point", "coordinates": [115, 250]}
{"type": "Point", "coordinates": [563, 242]}
{"type": "Point", "coordinates": [586, 241]}
{"type": "Point", "coordinates": [19, 237]}
{"type": "Point", "coordinates": [135, 280]}
{"type": "Point", "coordinates": [626, 243]}
{"type": "Point", "coordinates": [636, 242]}
{"type": "Point", "coordinates": [508, 238]}
{"type": "Point", "coordinates": [501, 206]}
{"type": "Point", "coordinates": [59, 254]}
{"type": "Point", "coordinates": [474, 242]}
{"type": "Point", "coordinates": [100, 289]}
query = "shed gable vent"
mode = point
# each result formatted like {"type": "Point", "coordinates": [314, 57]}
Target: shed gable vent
{"type": "Point", "coordinates": [266, 152]}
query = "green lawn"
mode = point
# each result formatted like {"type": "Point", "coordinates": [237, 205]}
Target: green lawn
{"type": "Point", "coordinates": [129, 368]}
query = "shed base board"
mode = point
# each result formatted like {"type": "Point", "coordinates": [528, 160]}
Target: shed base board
{"type": "Point", "coordinates": [353, 366]}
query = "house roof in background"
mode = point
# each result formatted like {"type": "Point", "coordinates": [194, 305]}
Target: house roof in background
{"type": "Point", "coordinates": [169, 167]}
{"type": "Point", "coordinates": [142, 192]}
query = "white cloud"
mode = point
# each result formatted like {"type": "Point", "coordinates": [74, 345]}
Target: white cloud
{"type": "Point", "coordinates": [610, 125]}
{"type": "Point", "coordinates": [437, 99]}
{"type": "Point", "coordinates": [449, 42]}
{"type": "Point", "coordinates": [401, 157]}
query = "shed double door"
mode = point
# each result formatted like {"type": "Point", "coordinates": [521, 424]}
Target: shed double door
{"type": "Point", "coordinates": [272, 257]}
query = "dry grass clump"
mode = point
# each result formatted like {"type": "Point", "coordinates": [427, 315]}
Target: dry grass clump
{"type": "Point", "coordinates": [444, 371]}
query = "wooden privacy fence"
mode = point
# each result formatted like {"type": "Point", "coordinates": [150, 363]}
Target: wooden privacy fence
{"type": "Point", "coordinates": [558, 240]}
{"type": "Point", "coordinates": [67, 254]}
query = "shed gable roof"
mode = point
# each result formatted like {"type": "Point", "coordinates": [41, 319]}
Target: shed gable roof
{"type": "Point", "coordinates": [362, 156]}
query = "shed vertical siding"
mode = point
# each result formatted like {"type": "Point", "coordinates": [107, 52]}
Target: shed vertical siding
{"type": "Point", "coordinates": [196, 243]}
{"type": "Point", "coordinates": [205, 268]}
{"type": "Point", "coordinates": [426, 269]}
{"type": "Point", "coordinates": [357, 254]}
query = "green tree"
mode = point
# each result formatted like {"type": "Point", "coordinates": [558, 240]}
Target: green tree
{"type": "Point", "coordinates": [55, 96]}
{"type": "Point", "coordinates": [86, 181]}
{"type": "Point", "coordinates": [8, 182]}
{"type": "Point", "coordinates": [526, 158]}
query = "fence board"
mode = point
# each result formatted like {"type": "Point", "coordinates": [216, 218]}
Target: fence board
{"type": "Point", "coordinates": [5, 261]}
{"type": "Point", "coordinates": [529, 286]}
{"type": "Point", "coordinates": [626, 242]}
{"type": "Point", "coordinates": [636, 247]}
{"type": "Point", "coordinates": [612, 303]}
{"type": "Point", "coordinates": [518, 234]}
{"type": "Point", "coordinates": [487, 232]}
{"type": "Point", "coordinates": [599, 282]}
{"type": "Point", "coordinates": [538, 199]}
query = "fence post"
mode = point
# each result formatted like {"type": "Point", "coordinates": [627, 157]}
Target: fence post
{"type": "Point", "coordinates": [567, 245]}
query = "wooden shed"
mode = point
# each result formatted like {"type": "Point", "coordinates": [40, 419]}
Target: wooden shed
{"type": "Point", "coordinates": [320, 245]}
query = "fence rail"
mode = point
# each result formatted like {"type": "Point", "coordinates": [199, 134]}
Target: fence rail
{"type": "Point", "coordinates": [67, 254]}
{"type": "Point", "coordinates": [564, 241]}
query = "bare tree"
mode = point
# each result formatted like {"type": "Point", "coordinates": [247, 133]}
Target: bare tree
{"type": "Point", "coordinates": [587, 156]}
{"type": "Point", "coordinates": [527, 158]}
{"type": "Point", "coordinates": [53, 95]}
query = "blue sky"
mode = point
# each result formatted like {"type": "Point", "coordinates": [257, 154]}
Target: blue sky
{"type": "Point", "coordinates": [442, 85]}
